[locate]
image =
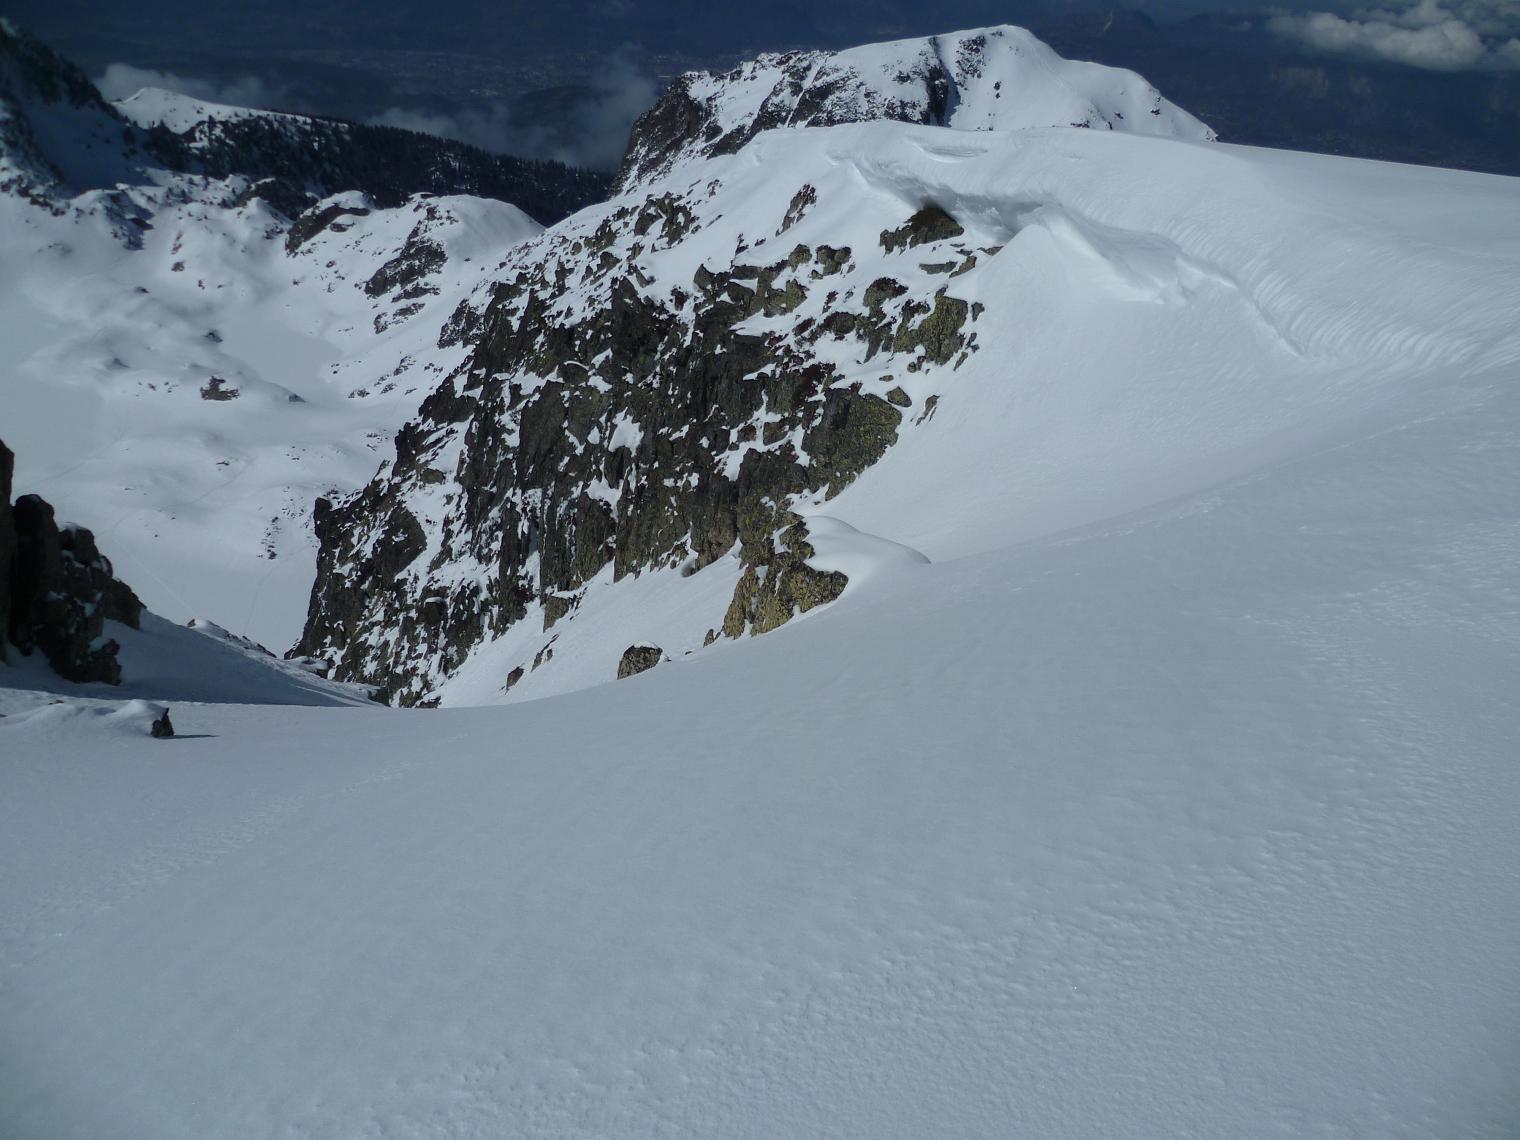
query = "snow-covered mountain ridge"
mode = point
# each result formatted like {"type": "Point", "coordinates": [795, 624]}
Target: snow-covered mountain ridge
{"type": "Point", "coordinates": [943, 339]}
{"type": "Point", "coordinates": [986, 79]}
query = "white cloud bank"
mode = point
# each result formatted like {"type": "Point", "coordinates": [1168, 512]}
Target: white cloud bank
{"type": "Point", "coordinates": [120, 80]}
{"type": "Point", "coordinates": [1439, 35]}
{"type": "Point", "coordinates": [596, 138]}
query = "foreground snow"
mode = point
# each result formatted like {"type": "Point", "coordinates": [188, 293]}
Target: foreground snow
{"type": "Point", "coordinates": [1195, 822]}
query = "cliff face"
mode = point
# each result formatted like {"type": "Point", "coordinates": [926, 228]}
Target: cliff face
{"type": "Point", "coordinates": [660, 383]}
{"type": "Point", "coordinates": [57, 590]}
{"type": "Point", "coordinates": [614, 417]}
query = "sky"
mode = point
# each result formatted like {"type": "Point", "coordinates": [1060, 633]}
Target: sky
{"type": "Point", "coordinates": [606, 60]}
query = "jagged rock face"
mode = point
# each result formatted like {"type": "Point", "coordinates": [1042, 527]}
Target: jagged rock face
{"type": "Point", "coordinates": [990, 79]}
{"type": "Point", "coordinates": [7, 544]}
{"type": "Point", "coordinates": [657, 383]}
{"type": "Point", "coordinates": [639, 659]}
{"type": "Point", "coordinates": [57, 590]}
{"type": "Point", "coordinates": [613, 416]}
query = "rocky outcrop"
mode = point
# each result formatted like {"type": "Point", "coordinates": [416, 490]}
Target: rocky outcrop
{"type": "Point", "coordinates": [7, 544]}
{"type": "Point", "coordinates": [57, 590]}
{"type": "Point", "coordinates": [654, 385]}
{"type": "Point", "coordinates": [608, 417]}
{"type": "Point", "coordinates": [639, 659]}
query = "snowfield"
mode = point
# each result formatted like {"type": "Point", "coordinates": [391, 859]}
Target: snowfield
{"type": "Point", "coordinates": [1156, 774]}
{"type": "Point", "coordinates": [205, 504]}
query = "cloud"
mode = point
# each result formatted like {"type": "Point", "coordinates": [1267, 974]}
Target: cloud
{"type": "Point", "coordinates": [1439, 35]}
{"type": "Point", "coordinates": [120, 80]}
{"type": "Point", "coordinates": [593, 133]}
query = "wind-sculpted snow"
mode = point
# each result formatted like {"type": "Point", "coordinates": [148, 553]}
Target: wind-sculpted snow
{"type": "Point", "coordinates": [986, 79]}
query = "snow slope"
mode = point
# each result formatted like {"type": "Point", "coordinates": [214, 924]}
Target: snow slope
{"type": "Point", "coordinates": [1155, 776]}
{"type": "Point", "coordinates": [1199, 822]}
{"type": "Point", "coordinates": [205, 504]}
{"type": "Point", "coordinates": [164, 662]}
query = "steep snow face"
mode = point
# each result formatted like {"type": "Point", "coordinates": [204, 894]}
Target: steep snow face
{"type": "Point", "coordinates": [1096, 324]}
{"type": "Point", "coordinates": [1000, 78]}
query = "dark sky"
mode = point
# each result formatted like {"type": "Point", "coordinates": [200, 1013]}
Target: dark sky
{"type": "Point", "coordinates": [565, 78]}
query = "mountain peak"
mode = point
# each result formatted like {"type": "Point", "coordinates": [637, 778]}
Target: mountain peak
{"type": "Point", "coordinates": [997, 78]}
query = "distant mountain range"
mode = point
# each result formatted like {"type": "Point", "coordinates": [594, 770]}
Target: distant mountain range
{"type": "Point", "coordinates": [540, 69]}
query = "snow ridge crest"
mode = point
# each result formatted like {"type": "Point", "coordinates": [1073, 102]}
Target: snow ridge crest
{"type": "Point", "coordinates": [997, 78]}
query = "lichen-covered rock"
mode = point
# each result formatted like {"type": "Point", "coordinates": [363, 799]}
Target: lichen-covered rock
{"type": "Point", "coordinates": [930, 224]}
{"type": "Point", "coordinates": [639, 659]}
{"type": "Point", "coordinates": [607, 415]}
{"type": "Point", "coordinates": [777, 584]}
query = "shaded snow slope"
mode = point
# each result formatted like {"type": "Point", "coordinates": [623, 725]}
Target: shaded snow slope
{"type": "Point", "coordinates": [1000, 78]}
{"type": "Point", "coordinates": [1198, 822]}
{"type": "Point", "coordinates": [163, 661]}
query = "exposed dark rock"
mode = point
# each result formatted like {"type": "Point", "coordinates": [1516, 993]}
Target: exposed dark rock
{"type": "Point", "coordinates": [310, 223]}
{"type": "Point", "coordinates": [929, 224]}
{"type": "Point", "coordinates": [598, 419]}
{"type": "Point", "coordinates": [419, 258]}
{"type": "Point", "coordinates": [777, 584]}
{"type": "Point", "coordinates": [639, 659]}
{"type": "Point", "coordinates": [7, 545]}
{"type": "Point", "coordinates": [57, 590]}
{"type": "Point", "coordinates": [216, 389]}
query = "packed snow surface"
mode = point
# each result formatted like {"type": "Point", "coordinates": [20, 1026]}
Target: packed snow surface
{"type": "Point", "coordinates": [1155, 776]}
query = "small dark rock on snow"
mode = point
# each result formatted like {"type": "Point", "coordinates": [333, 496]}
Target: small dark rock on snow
{"type": "Point", "coordinates": [162, 728]}
{"type": "Point", "coordinates": [639, 658]}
